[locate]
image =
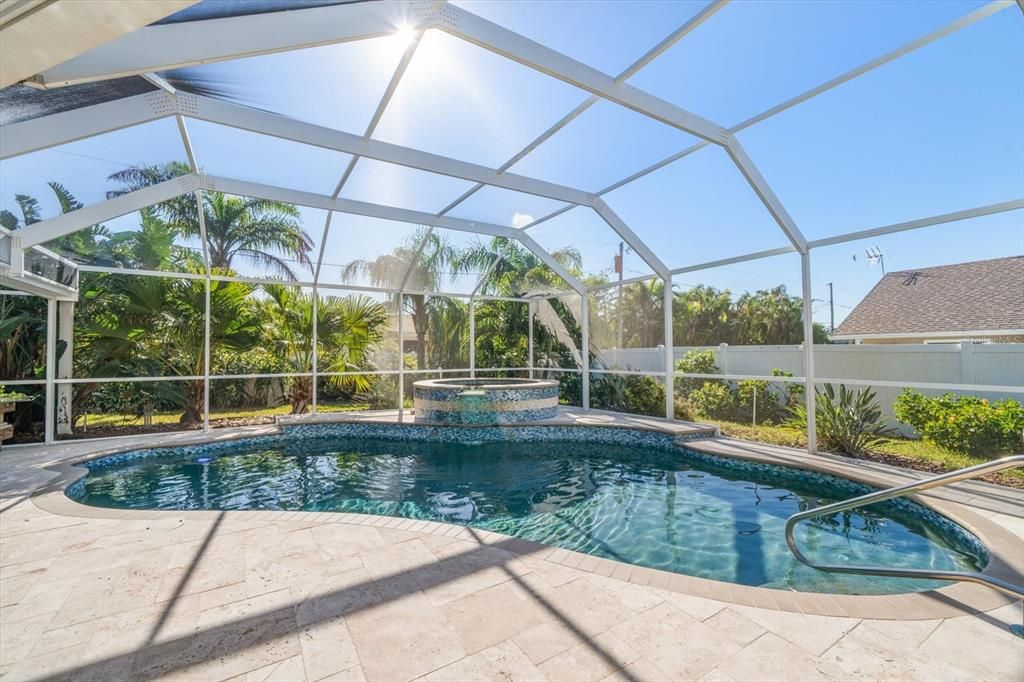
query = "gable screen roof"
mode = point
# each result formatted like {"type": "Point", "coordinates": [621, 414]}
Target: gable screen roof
{"type": "Point", "coordinates": [986, 295]}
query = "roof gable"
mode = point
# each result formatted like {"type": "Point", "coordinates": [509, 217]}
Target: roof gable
{"type": "Point", "coordinates": [980, 295]}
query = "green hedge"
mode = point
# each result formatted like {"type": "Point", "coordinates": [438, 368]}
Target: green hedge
{"type": "Point", "coordinates": [963, 423]}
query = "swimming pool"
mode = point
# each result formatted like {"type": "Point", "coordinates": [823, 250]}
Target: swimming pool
{"type": "Point", "coordinates": [643, 501]}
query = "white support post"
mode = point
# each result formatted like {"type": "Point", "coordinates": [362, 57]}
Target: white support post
{"type": "Point", "coordinates": [529, 327]}
{"type": "Point", "coordinates": [956, 216]}
{"type": "Point", "coordinates": [630, 71]}
{"type": "Point", "coordinates": [812, 428]}
{"type": "Point", "coordinates": [316, 321]}
{"type": "Point", "coordinates": [623, 230]}
{"type": "Point", "coordinates": [206, 359]}
{"type": "Point", "coordinates": [77, 124]}
{"type": "Point", "coordinates": [500, 40]}
{"type": "Point", "coordinates": [65, 366]}
{"type": "Point", "coordinates": [963, 22]}
{"type": "Point", "coordinates": [51, 369]}
{"type": "Point", "coordinates": [585, 348]}
{"type": "Point", "coordinates": [266, 123]}
{"type": "Point", "coordinates": [400, 297]}
{"type": "Point", "coordinates": [765, 193]}
{"type": "Point", "coordinates": [201, 217]}
{"type": "Point", "coordinates": [472, 338]}
{"type": "Point", "coordinates": [967, 361]}
{"type": "Point", "coordinates": [670, 401]}
{"type": "Point", "coordinates": [66, 223]}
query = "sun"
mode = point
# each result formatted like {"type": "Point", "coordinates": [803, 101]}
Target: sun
{"type": "Point", "coordinates": [405, 34]}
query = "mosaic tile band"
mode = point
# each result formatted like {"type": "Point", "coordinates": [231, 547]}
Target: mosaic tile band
{"type": "Point", "coordinates": [485, 401]}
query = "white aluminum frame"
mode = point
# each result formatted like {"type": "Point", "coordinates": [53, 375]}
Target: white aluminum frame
{"type": "Point", "coordinates": [963, 22]}
{"type": "Point", "coordinates": [158, 48]}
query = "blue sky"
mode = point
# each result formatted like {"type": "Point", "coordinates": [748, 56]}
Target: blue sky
{"type": "Point", "coordinates": [936, 131]}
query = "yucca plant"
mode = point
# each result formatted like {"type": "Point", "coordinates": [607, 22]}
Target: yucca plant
{"type": "Point", "coordinates": [850, 422]}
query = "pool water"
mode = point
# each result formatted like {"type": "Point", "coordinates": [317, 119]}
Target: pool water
{"type": "Point", "coordinates": [665, 509]}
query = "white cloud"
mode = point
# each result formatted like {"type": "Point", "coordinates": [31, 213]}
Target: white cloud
{"type": "Point", "coordinates": [521, 219]}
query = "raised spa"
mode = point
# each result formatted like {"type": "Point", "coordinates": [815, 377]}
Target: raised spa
{"type": "Point", "coordinates": [632, 496]}
{"type": "Point", "coordinates": [485, 401]}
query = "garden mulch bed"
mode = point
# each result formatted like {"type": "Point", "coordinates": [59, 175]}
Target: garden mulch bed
{"type": "Point", "coordinates": [1005, 478]}
{"type": "Point", "coordinates": [999, 478]}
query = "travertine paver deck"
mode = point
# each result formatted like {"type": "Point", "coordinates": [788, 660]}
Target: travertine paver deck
{"type": "Point", "coordinates": [293, 596]}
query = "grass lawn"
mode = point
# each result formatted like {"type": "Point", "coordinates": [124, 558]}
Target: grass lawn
{"type": "Point", "coordinates": [225, 414]}
{"type": "Point", "coordinates": [913, 454]}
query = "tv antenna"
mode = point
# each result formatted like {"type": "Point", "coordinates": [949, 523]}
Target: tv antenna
{"type": "Point", "coordinates": [873, 256]}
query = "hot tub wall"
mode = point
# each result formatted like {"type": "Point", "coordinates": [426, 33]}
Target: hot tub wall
{"type": "Point", "coordinates": [461, 405]}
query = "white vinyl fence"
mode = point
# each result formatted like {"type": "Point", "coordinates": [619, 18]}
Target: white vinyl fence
{"type": "Point", "coordinates": [969, 364]}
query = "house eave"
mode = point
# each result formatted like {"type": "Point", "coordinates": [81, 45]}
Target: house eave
{"type": "Point", "coordinates": [930, 335]}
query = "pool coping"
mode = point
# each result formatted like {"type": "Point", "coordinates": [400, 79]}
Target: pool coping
{"type": "Point", "coordinates": [512, 385]}
{"type": "Point", "coordinates": [1006, 558]}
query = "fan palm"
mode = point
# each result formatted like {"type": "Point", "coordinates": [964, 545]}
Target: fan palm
{"type": "Point", "coordinates": [155, 326]}
{"type": "Point", "coordinates": [22, 336]}
{"type": "Point", "coordinates": [347, 330]}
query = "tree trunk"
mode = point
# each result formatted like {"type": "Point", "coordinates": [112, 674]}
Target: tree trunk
{"type": "Point", "coordinates": [300, 394]}
{"type": "Point", "coordinates": [194, 399]}
{"type": "Point", "coordinates": [419, 322]}
{"type": "Point", "coordinates": [421, 350]}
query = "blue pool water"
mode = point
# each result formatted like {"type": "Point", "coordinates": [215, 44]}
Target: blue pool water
{"type": "Point", "coordinates": [666, 508]}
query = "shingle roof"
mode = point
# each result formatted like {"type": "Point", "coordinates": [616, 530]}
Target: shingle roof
{"type": "Point", "coordinates": [980, 295]}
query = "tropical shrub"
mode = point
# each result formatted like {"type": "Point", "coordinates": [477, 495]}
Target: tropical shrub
{"type": "Point", "coordinates": [775, 400]}
{"type": "Point", "coordinates": [635, 394]}
{"type": "Point", "coordinates": [7, 396]}
{"type": "Point", "coordinates": [644, 395]}
{"type": "Point", "coordinates": [684, 410]}
{"type": "Point", "coordinates": [732, 401]}
{"type": "Point", "coordinates": [966, 424]}
{"type": "Point", "coordinates": [849, 421]}
{"type": "Point", "coordinates": [713, 400]}
{"type": "Point", "coordinates": [695, 362]}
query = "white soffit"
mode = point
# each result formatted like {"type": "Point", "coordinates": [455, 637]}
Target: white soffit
{"type": "Point", "coordinates": [35, 36]}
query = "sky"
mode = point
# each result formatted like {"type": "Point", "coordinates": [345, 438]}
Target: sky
{"type": "Point", "coordinates": [936, 131]}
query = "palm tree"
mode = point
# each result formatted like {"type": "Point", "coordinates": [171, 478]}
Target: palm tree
{"type": "Point", "coordinates": [503, 326]}
{"type": "Point", "coordinates": [347, 330]}
{"type": "Point", "coordinates": [448, 343]}
{"type": "Point", "coordinates": [22, 336]}
{"type": "Point", "coordinates": [267, 233]}
{"type": "Point", "coordinates": [83, 243]}
{"type": "Point", "coordinates": [422, 259]}
{"type": "Point", "coordinates": [701, 316]}
{"type": "Point", "coordinates": [518, 271]}
{"type": "Point", "coordinates": [154, 326]}
{"type": "Point", "coordinates": [642, 316]}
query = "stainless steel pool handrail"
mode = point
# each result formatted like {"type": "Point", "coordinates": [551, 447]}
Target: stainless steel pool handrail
{"type": "Point", "coordinates": [902, 491]}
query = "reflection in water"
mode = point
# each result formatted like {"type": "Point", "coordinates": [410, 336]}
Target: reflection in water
{"type": "Point", "coordinates": [645, 506]}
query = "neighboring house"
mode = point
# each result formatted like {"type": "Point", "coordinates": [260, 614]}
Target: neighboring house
{"type": "Point", "coordinates": [980, 301]}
